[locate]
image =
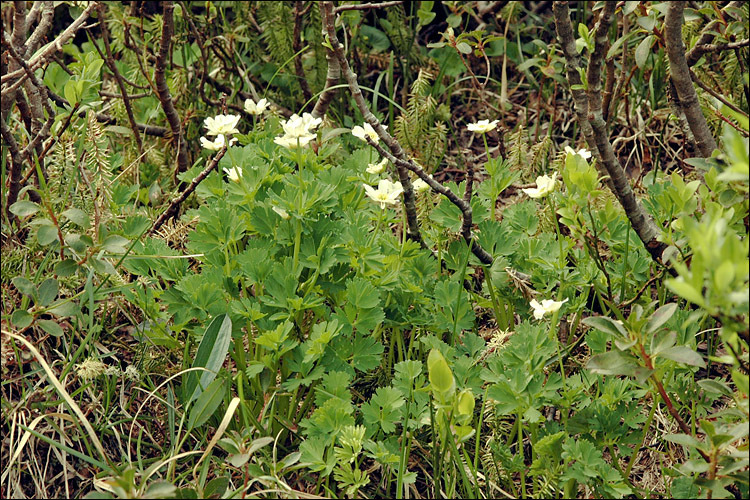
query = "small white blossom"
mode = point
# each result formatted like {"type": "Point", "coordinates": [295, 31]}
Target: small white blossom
{"type": "Point", "coordinates": [583, 152]}
{"type": "Point", "coordinates": [299, 126]}
{"type": "Point", "coordinates": [90, 369]}
{"type": "Point", "coordinates": [366, 131]}
{"type": "Point", "coordinates": [377, 168]}
{"type": "Point", "coordinates": [282, 213]}
{"type": "Point", "coordinates": [420, 186]}
{"type": "Point", "coordinates": [386, 194]}
{"type": "Point", "coordinates": [291, 142]}
{"type": "Point", "coordinates": [217, 143]}
{"type": "Point", "coordinates": [547, 306]}
{"type": "Point", "coordinates": [482, 126]}
{"type": "Point", "coordinates": [544, 186]}
{"type": "Point", "coordinates": [233, 173]}
{"type": "Point", "coordinates": [256, 108]}
{"type": "Point", "coordinates": [222, 124]}
{"type": "Point", "coordinates": [131, 373]}
{"type": "Point", "coordinates": [298, 131]}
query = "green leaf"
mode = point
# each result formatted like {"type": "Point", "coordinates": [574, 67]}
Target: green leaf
{"type": "Point", "coordinates": [463, 47]}
{"type": "Point", "coordinates": [612, 363]}
{"type": "Point", "coordinates": [383, 409]}
{"type": "Point", "coordinates": [46, 235]}
{"type": "Point", "coordinates": [66, 267]}
{"type": "Point", "coordinates": [643, 50]}
{"type": "Point", "coordinates": [63, 307]}
{"type": "Point", "coordinates": [716, 387]}
{"type": "Point", "coordinates": [685, 290]}
{"type": "Point", "coordinates": [683, 354]}
{"type": "Point", "coordinates": [685, 440]}
{"type": "Point", "coordinates": [24, 208]}
{"type": "Point", "coordinates": [440, 374]}
{"type": "Point", "coordinates": [78, 217]}
{"type": "Point", "coordinates": [660, 317]}
{"type": "Point", "coordinates": [206, 404]}
{"type": "Point", "coordinates": [466, 402]}
{"type": "Point", "coordinates": [47, 292]}
{"type": "Point", "coordinates": [25, 286]}
{"type": "Point", "coordinates": [606, 325]}
{"type": "Point", "coordinates": [51, 327]}
{"type": "Point", "coordinates": [115, 244]}
{"type": "Point", "coordinates": [211, 354]}
{"type": "Point", "coordinates": [21, 318]}
{"type": "Point", "coordinates": [662, 342]}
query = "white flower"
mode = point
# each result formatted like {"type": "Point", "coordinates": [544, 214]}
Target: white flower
{"type": "Point", "coordinates": [420, 186]}
{"type": "Point", "coordinates": [583, 152]}
{"type": "Point", "coordinates": [233, 173]}
{"type": "Point", "coordinates": [298, 131]}
{"type": "Point", "coordinates": [547, 306]}
{"type": "Point", "coordinates": [544, 186]}
{"type": "Point", "coordinates": [282, 213]}
{"type": "Point", "coordinates": [131, 373]}
{"type": "Point", "coordinates": [256, 108]}
{"type": "Point", "coordinates": [290, 141]}
{"type": "Point", "coordinates": [299, 126]}
{"type": "Point", "coordinates": [377, 168]}
{"type": "Point", "coordinates": [310, 122]}
{"type": "Point", "coordinates": [387, 192]}
{"type": "Point", "coordinates": [366, 131]}
{"type": "Point", "coordinates": [216, 144]}
{"type": "Point", "coordinates": [222, 124]}
{"type": "Point", "coordinates": [482, 126]}
{"type": "Point", "coordinates": [90, 369]}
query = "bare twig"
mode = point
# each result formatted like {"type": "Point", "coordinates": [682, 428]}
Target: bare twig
{"type": "Point", "coordinates": [680, 72]}
{"type": "Point", "coordinates": [171, 210]}
{"type": "Point", "coordinates": [365, 6]}
{"type": "Point", "coordinates": [707, 35]}
{"type": "Point", "coordinates": [395, 152]}
{"type": "Point", "coordinates": [163, 90]}
{"type": "Point", "coordinates": [326, 11]}
{"type": "Point", "coordinates": [594, 128]}
{"type": "Point", "coordinates": [299, 13]}
{"type": "Point", "coordinates": [110, 60]}
{"type": "Point", "coordinates": [52, 47]}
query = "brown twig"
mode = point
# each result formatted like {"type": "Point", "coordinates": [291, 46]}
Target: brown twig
{"type": "Point", "coordinates": [365, 6]}
{"type": "Point", "coordinates": [707, 35]}
{"type": "Point", "coordinates": [327, 15]}
{"type": "Point", "coordinates": [589, 113]}
{"type": "Point", "coordinates": [163, 90]}
{"type": "Point", "coordinates": [110, 60]}
{"type": "Point", "coordinates": [299, 13]}
{"type": "Point", "coordinates": [171, 210]}
{"type": "Point", "coordinates": [52, 47]}
{"type": "Point", "coordinates": [687, 99]}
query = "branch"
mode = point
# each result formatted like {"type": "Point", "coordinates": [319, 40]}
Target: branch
{"type": "Point", "coordinates": [333, 75]}
{"type": "Point", "coordinates": [16, 169]}
{"type": "Point", "coordinates": [707, 35]}
{"type": "Point", "coordinates": [109, 59]}
{"type": "Point", "coordinates": [54, 46]}
{"type": "Point", "coordinates": [365, 6]}
{"type": "Point", "coordinates": [593, 119]}
{"type": "Point", "coordinates": [163, 90]}
{"type": "Point", "coordinates": [680, 72]}
{"type": "Point", "coordinates": [299, 12]}
{"type": "Point", "coordinates": [718, 47]}
{"type": "Point", "coordinates": [171, 211]}
{"type": "Point", "coordinates": [326, 12]}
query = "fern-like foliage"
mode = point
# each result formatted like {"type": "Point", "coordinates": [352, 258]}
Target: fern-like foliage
{"type": "Point", "coordinates": [524, 156]}
{"type": "Point", "coordinates": [418, 130]}
{"type": "Point", "coordinates": [277, 21]}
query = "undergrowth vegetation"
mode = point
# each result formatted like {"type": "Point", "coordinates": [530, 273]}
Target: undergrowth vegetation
{"type": "Point", "coordinates": [406, 249]}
